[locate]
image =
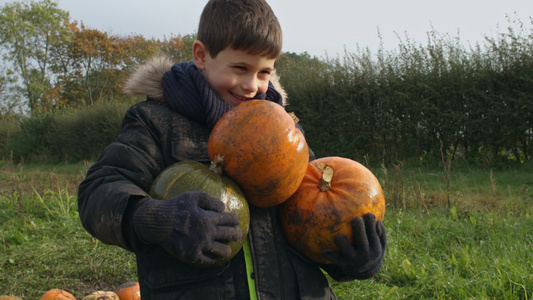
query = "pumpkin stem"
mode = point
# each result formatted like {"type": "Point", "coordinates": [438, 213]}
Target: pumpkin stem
{"type": "Point", "coordinates": [217, 164]}
{"type": "Point", "coordinates": [327, 174]}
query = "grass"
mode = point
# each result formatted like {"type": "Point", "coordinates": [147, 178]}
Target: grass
{"type": "Point", "coordinates": [466, 236]}
{"type": "Point", "coordinates": [42, 243]}
{"type": "Point", "coordinates": [445, 256]}
{"type": "Point", "coordinates": [471, 239]}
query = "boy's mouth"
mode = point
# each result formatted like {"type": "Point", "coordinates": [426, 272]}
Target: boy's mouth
{"type": "Point", "coordinates": [240, 98]}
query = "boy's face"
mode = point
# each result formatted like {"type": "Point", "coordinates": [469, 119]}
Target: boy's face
{"type": "Point", "coordinates": [234, 75]}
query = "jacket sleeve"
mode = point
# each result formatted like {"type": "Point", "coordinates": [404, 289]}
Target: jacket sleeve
{"type": "Point", "coordinates": [119, 182]}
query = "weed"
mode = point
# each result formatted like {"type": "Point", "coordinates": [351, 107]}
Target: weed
{"type": "Point", "coordinates": [59, 203]}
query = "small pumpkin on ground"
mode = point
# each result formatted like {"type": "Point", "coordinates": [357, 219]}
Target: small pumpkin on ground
{"type": "Point", "coordinates": [101, 295]}
{"type": "Point", "coordinates": [333, 192]}
{"type": "Point", "coordinates": [129, 291]}
{"type": "Point", "coordinates": [264, 152]}
{"type": "Point", "coordinates": [57, 294]}
{"type": "Point", "coordinates": [187, 176]}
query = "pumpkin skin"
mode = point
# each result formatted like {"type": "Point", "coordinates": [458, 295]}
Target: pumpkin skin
{"type": "Point", "coordinates": [315, 214]}
{"type": "Point", "coordinates": [263, 151]}
{"type": "Point", "coordinates": [129, 291]}
{"type": "Point", "coordinates": [102, 295]}
{"type": "Point", "coordinates": [5, 297]}
{"type": "Point", "coordinates": [57, 294]}
{"type": "Point", "coordinates": [187, 176]}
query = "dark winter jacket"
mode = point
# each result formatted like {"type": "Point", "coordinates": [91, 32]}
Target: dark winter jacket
{"type": "Point", "coordinates": [153, 137]}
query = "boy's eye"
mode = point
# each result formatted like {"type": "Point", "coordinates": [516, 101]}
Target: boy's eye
{"type": "Point", "coordinates": [240, 68]}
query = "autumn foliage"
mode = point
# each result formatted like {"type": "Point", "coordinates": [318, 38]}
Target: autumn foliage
{"type": "Point", "coordinates": [62, 63]}
{"type": "Point", "coordinates": [94, 63]}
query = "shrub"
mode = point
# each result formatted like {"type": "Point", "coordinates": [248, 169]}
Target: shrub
{"type": "Point", "coordinates": [63, 135]}
{"type": "Point", "coordinates": [86, 131]}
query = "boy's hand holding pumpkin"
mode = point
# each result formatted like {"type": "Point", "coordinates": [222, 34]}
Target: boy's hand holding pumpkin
{"type": "Point", "coordinates": [363, 259]}
{"type": "Point", "coordinates": [192, 226]}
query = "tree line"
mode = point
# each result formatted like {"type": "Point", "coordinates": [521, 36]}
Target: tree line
{"type": "Point", "coordinates": [52, 61]}
{"type": "Point", "coordinates": [433, 101]}
{"type": "Point", "coordinates": [429, 102]}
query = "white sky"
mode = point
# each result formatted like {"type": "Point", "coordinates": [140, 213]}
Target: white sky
{"type": "Point", "coordinates": [317, 27]}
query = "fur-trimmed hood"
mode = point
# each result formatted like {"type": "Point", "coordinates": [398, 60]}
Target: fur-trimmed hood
{"type": "Point", "coordinates": [148, 80]}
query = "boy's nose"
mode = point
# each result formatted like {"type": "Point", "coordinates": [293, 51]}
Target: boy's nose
{"type": "Point", "coordinates": [250, 84]}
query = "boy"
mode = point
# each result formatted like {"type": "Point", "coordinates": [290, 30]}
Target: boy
{"type": "Point", "coordinates": [238, 43]}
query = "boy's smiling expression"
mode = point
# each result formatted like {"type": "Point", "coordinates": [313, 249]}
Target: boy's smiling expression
{"type": "Point", "coordinates": [235, 75]}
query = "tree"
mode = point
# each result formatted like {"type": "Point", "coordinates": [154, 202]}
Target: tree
{"type": "Point", "coordinates": [8, 100]}
{"type": "Point", "coordinates": [94, 58]}
{"type": "Point", "coordinates": [179, 48]}
{"type": "Point", "coordinates": [30, 30]}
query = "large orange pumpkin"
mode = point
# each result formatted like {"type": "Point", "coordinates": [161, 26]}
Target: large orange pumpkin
{"type": "Point", "coordinates": [187, 176]}
{"type": "Point", "coordinates": [129, 291]}
{"type": "Point", "coordinates": [57, 294]}
{"type": "Point", "coordinates": [333, 192]}
{"type": "Point", "coordinates": [263, 151]}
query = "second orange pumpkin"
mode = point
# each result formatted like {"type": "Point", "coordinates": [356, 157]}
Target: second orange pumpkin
{"type": "Point", "coordinates": [333, 192]}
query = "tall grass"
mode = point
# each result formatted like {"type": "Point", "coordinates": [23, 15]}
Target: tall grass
{"type": "Point", "coordinates": [478, 247]}
{"type": "Point", "coordinates": [446, 255]}
{"type": "Point", "coordinates": [42, 242]}
{"type": "Point", "coordinates": [462, 188]}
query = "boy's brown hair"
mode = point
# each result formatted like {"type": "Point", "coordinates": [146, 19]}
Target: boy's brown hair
{"type": "Point", "coordinates": [248, 25]}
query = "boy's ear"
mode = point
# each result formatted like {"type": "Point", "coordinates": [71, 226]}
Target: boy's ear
{"type": "Point", "coordinates": [199, 52]}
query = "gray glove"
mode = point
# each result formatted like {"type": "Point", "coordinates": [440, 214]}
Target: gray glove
{"type": "Point", "coordinates": [192, 226]}
{"type": "Point", "coordinates": [363, 259]}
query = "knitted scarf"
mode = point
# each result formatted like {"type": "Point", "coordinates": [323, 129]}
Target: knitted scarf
{"type": "Point", "coordinates": [187, 92]}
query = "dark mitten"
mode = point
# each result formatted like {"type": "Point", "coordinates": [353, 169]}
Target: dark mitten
{"type": "Point", "coordinates": [363, 259]}
{"type": "Point", "coordinates": [192, 226]}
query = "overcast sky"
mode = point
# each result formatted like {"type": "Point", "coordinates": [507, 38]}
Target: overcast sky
{"type": "Point", "coordinates": [317, 27]}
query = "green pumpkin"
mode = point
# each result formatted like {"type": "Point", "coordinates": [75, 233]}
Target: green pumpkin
{"type": "Point", "coordinates": [193, 176]}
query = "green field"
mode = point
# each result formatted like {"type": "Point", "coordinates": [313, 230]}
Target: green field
{"type": "Point", "coordinates": [462, 234]}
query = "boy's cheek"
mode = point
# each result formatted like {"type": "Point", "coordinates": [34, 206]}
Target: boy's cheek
{"type": "Point", "coordinates": [223, 82]}
{"type": "Point", "coordinates": [263, 87]}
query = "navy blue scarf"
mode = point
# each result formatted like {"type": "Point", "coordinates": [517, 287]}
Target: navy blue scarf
{"type": "Point", "coordinates": [187, 92]}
